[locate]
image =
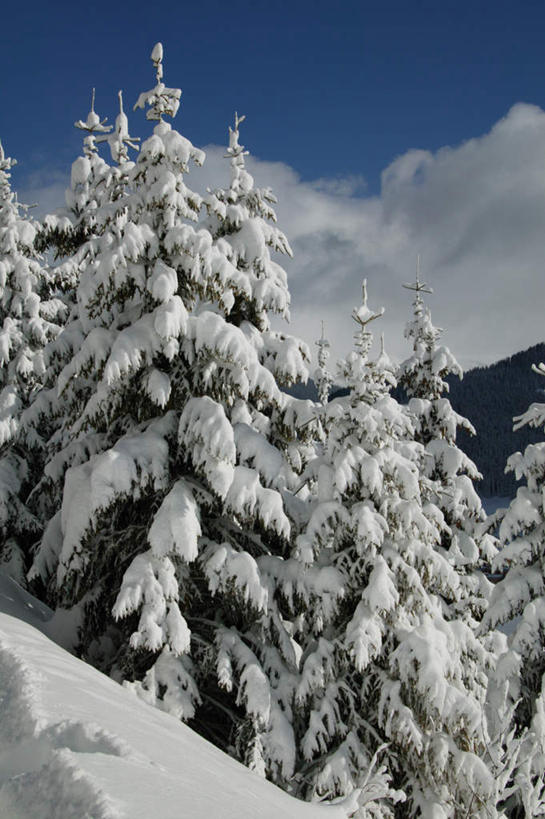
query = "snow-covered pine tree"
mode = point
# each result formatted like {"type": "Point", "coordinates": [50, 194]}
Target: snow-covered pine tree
{"type": "Point", "coordinates": [386, 366]}
{"type": "Point", "coordinates": [519, 599]}
{"type": "Point", "coordinates": [30, 316]}
{"type": "Point", "coordinates": [94, 200]}
{"type": "Point", "coordinates": [382, 669]}
{"type": "Point", "coordinates": [242, 220]}
{"type": "Point", "coordinates": [120, 141]}
{"type": "Point", "coordinates": [451, 473]}
{"type": "Point", "coordinates": [181, 454]}
{"type": "Point", "coordinates": [65, 231]}
{"type": "Point", "coordinates": [322, 376]}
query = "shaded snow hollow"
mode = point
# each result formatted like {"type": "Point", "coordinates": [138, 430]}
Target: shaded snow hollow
{"type": "Point", "coordinates": [76, 745]}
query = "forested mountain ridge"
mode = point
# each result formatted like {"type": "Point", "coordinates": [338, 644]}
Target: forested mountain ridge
{"type": "Point", "coordinates": [491, 397]}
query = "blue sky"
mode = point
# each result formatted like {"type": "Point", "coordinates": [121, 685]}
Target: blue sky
{"type": "Point", "coordinates": [440, 100]}
{"type": "Point", "coordinates": [332, 89]}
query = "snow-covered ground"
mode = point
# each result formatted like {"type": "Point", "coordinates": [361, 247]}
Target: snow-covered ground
{"type": "Point", "coordinates": [75, 745]}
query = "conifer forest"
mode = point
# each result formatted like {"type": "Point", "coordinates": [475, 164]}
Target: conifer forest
{"type": "Point", "coordinates": [313, 587]}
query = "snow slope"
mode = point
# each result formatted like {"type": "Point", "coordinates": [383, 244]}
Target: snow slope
{"type": "Point", "coordinates": [75, 745]}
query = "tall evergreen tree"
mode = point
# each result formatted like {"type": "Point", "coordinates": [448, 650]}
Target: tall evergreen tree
{"type": "Point", "coordinates": [322, 376]}
{"type": "Point", "coordinates": [30, 316]}
{"type": "Point", "coordinates": [180, 452]}
{"type": "Point", "coordinates": [519, 598]}
{"type": "Point", "coordinates": [66, 230]}
{"type": "Point", "coordinates": [450, 472]}
{"type": "Point", "coordinates": [94, 201]}
{"type": "Point", "coordinates": [382, 670]}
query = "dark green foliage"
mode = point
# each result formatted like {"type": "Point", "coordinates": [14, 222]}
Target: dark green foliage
{"type": "Point", "coordinates": [490, 397]}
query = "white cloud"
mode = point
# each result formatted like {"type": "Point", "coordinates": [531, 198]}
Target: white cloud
{"type": "Point", "coordinates": [475, 213]}
{"type": "Point", "coordinates": [341, 185]}
{"type": "Point", "coordinates": [45, 190]}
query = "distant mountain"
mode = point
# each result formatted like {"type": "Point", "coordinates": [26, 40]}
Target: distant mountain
{"type": "Point", "coordinates": [490, 397]}
{"type": "Point", "coordinates": [307, 390]}
{"type": "Point", "coordinates": [77, 744]}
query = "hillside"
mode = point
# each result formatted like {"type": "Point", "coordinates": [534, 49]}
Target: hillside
{"type": "Point", "coordinates": [75, 744]}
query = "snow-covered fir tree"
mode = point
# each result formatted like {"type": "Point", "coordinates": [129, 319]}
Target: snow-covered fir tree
{"type": "Point", "coordinates": [382, 669]}
{"type": "Point", "coordinates": [384, 364]}
{"type": "Point", "coordinates": [451, 473]}
{"type": "Point", "coordinates": [94, 200]}
{"type": "Point", "coordinates": [66, 230]}
{"type": "Point", "coordinates": [519, 599]}
{"type": "Point", "coordinates": [120, 140]}
{"type": "Point", "coordinates": [300, 581]}
{"type": "Point", "coordinates": [179, 451]}
{"type": "Point", "coordinates": [30, 316]}
{"type": "Point", "coordinates": [322, 376]}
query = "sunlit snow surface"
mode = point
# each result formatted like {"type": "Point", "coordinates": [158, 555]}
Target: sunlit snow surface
{"type": "Point", "coordinates": [74, 744]}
